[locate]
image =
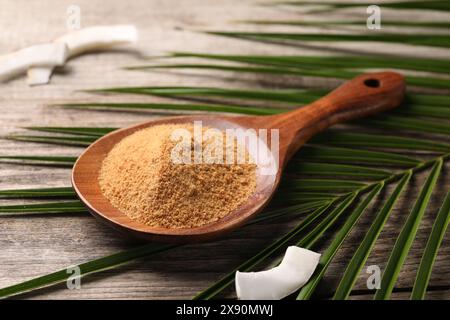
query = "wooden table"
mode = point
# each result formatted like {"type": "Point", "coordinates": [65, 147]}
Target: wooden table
{"type": "Point", "coordinates": [33, 246]}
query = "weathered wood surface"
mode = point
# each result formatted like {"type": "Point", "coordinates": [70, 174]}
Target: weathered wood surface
{"type": "Point", "coordinates": [32, 246]}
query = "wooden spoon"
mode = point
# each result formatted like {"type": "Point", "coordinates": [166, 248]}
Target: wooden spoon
{"type": "Point", "coordinates": [362, 96]}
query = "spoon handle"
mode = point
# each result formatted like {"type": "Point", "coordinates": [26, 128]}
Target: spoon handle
{"type": "Point", "coordinates": [362, 96]}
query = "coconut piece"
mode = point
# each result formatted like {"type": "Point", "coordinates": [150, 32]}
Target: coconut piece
{"type": "Point", "coordinates": [85, 40]}
{"type": "Point", "coordinates": [38, 75]}
{"type": "Point", "coordinates": [98, 37]}
{"type": "Point", "coordinates": [291, 274]}
{"type": "Point", "coordinates": [42, 55]}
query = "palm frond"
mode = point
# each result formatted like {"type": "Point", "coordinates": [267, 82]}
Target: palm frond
{"type": "Point", "coordinates": [83, 131]}
{"type": "Point", "coordinates": [429, 255]}
{"type": "Point", "coordinates": [321, 185]}
{"type": "Point", "coordinates": [428, 100]}
{"type": "Point", "coordinates": [105, 263]}
{"type": "Point", "coordinates": [408, 123]}
{"type": "Point", "coordinates": [440, 5]}
{"type": "Point", "coordinates": [365, 62]}
{"type": "Point", "coordinates": [407, 235]}
{"type": "Point", "coordinates": [325, 23]}
{"type": "Point", "coordinates": [330, 169]}
{"type": "Point", "coordinates": [347, 139]}
{"type": "Point", "coordinates": [431, 40]}
{"type": "Point", "coordinates": [425, 111]}
{"type": "Point", "coordinates": [228, 279]}
{"type": "Point", "coordinates": [306, 205]}
{"type": "Point", "coordinates": [428, 82]}
{"type": "Point", "coordinates": [63, 192]}
{"type": "Point", "coordinates": [329, 220]}
{"type": "Point", "coordinates": [289, 96]}
{"type": "Point", "coordinates": [351, 155]}
{"type": "Point", "coordinates": [293, 96]}
{"type": "Point", "coordinates": [362, 253]}
{"type": "Point", "coordinates": [307, 241]}
{"type": "Point", "coordinates": [174, 107]}
{"type": "Point", "coordinates": [326, 258]}
{"type": "Point", "coordinates": [43, 208]}
{"type": "Point", "coordinates": [63, 161]}
{"type": "Point", "coordinates": [77, 140]}
{"type": "Point", "coordinates": [124, 257]}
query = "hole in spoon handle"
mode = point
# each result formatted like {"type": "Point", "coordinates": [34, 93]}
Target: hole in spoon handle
{"type": "Point", "coordinates": [372, 83]}
{"type": "Point", "coordinates": [362, 96]}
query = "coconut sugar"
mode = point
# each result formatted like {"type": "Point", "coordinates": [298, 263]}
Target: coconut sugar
{"type": "Point", "coordinates": [140, 178]}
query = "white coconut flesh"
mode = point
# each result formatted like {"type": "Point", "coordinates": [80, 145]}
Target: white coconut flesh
{"type": "Point", "coordinates": [98, 37]}
{"type": "Point", "coordinates": [85, 40]}
{"type": "Point", "coordinates": [291, 274]}
{"type": "Point", "coordinates": [39, 75]}
{"type": "Point", "coordinates": [44, 55]}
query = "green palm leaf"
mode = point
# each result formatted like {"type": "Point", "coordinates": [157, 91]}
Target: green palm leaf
{"type": "Point", "coordinates": [312, 237]}
{"type": "Point", "coordinates": [428, 100]}
{"type": "Point", "coordinates": [332, 62]}
{"type": "Point", "coordinates": [43, 208]}
{"type": "Point", "coordinates": [305, 206]}
{"type": "Point", "coordinates": [83, 131]}
{"type": "Point", "coordinates": [64, 192]}
{"type": "Point", "coordinates": [363, 140]}
{"type": "Point", "coordinates": [290, 96]}
{"type": "Point", "coordinates": [407, 235]}
{"type": "Point", "coordinates": [426, 111]}
{"type": "Point", "coordinates": [362, 253]}
{"type": "Point", "coordinates": [87, 268]}
{"type": "Point", "coordinates": [428, 81]}
{"type": "Point", "coordinates": [408, 123]}
{"type": "Point", "coordinates": [321, 185]}
{"type": "Point", "coordinates": [307, 241]}
{"type": "Point", "coordinates": [175, 107]}
{"type": "Point", "coordinates": [330, 169]}
{"type": "Point", "coordinates": [333, 154]}
{"type": "Point", "coordinates": [330, 252]}
{"type": "Point", "coordinates": [228, 279]}
{"type": "Point", "coordinates": [41, 160]}
{"type": "Point", "coordinates": [385, 23]}
{"type": "Point", "coordinates": [121, 258]}
{"type": "Point", "coordinates": [442, 5]}
{"type": "Point", "coordinates": [330, 73]}
{"type": "Point", "coordinates": [431, 40]}
{"type": "Point", "coordinates": [281, 96]}
{"type": "Point", "coordinates": [431, 249]}
{"type": "Point", "coordinates": [68, 140]}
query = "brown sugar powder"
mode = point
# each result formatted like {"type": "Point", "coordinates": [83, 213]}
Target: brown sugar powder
{"type": "Point", "coordinates": [140, 178]}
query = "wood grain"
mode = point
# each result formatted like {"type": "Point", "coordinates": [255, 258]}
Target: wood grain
{"type": "Point", "coordinates": [33, 246]}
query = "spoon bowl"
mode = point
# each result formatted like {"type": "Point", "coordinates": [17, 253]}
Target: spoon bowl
{"type": "Point", "coordinates": [364, 95]}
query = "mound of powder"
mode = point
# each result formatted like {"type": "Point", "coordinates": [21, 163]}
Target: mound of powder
{"type": "Point", "coordinates": [140, 178]}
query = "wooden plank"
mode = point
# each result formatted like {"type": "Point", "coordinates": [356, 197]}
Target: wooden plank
{"type": "Point", "coordinates": [33, 246]}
